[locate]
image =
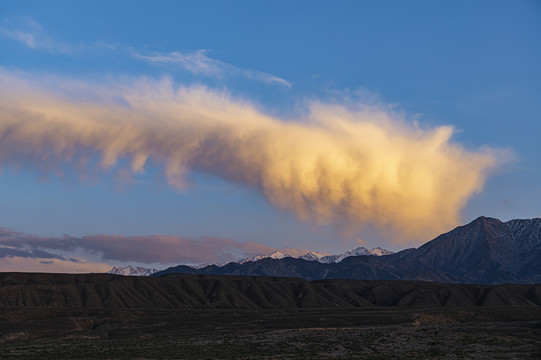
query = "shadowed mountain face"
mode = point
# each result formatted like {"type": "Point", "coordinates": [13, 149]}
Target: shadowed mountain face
{"type": "Point", "coordinates": [178, 291]}
{"type": "Point", "coordinates": [486, 251]}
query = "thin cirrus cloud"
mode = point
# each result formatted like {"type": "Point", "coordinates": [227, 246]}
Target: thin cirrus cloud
{"type": "Point", "coordinates": [197, 62]}
{"type": "Point", "coordinates": [349, 166]}
{"type": "Point", "coordinates": [31, 34]}
{"type": "Point", "coordinates": [164, 249]}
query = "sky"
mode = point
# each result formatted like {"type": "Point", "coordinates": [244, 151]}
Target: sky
{"type": "Point", "coordinates": [171, 132]}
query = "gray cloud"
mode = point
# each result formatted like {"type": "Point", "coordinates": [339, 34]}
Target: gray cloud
{"type": "Point", "coordinates": [164, 249]}
{"type": "Point", "coordinates": [24, 251]}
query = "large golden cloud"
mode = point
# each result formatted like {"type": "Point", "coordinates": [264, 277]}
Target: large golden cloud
{"type": "Point", "coordinates": [338, 165]}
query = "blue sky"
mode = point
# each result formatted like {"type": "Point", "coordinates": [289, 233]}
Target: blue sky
{"type": "Point", "coordinates": [472, 65]}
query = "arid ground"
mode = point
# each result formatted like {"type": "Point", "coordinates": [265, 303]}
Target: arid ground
{"type": "Point", "coordinates": [114, 331]}
{"type": "Point", "coordinates": [373, 333]}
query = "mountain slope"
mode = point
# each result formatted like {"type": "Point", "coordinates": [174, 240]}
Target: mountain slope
{"type": "Point", "coordinates": [528, 236]}
{"type": "Point", "coordinates": [482, 249]}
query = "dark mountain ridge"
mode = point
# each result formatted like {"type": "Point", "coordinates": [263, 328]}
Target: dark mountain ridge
{"type": "Point", "coordinates": [184, 291]}
{"type": "Point", "coordinates": [485, 251]}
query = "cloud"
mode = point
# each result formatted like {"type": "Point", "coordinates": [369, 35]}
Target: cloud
{"type": "Point", "coordinates": [197, 62]}
{"type": "Point", "coordinates": [344, 165]}
{"type": "Point", "coordinates": [15, 251]}
{"type": "Point", "coordinates": [164, 249]}
{"type": "Point", "coordinates": [22, 264]}
{"type": "Point", "coordinates": [31, 33]}
{"type": "Point", "coordinates": [359, 241]}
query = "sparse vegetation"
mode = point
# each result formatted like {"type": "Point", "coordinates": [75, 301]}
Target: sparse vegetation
{"type": "Point", "coordinates": [368, 333]}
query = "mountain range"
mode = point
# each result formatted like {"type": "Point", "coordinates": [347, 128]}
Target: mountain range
{"type": "Point", "coordinates": [485, 251]}
{"type": "Point", "coordinates": [317, 256]}
{"type": "Point", "coordinates": [310, 256]}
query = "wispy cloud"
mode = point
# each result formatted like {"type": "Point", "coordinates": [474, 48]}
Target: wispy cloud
{"type": "Point", "coordinates": [31, 33]}
{"type": "Point", "coordinates": [197, 62]}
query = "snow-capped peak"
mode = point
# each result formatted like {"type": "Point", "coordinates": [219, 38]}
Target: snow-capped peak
{"type": "Point", "coordinates": [132, 271]}
{"type": "Point", "coordinates": [313, 256]}
{"type": "Point", "coordinates": [200, 266]}
{"type": "Point", "coordinates": [355, 252]}
{"type": "Point", "coordinates": [363, 251]}
{"type": "Point", "coordinates": [275, 255]}
{"type": "Point", "coordinates": [380, 252]}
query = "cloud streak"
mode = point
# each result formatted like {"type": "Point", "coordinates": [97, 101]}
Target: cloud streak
{"type": "Point", "coordinates": [197, 62]}
{"type": "Point", "coordinates": [347, 166]}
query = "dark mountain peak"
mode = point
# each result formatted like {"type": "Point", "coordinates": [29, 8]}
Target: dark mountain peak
{"type": "Point", "coordinates": [491, 231]}
{"type": "Point", "coordinates": [481, 230]}
{"type": "Point", "coordinates": [485, 243]}
{"type": "Point", "coordinates": [484, 221]}
{"type": "Point", "coordinates": [485, 218]}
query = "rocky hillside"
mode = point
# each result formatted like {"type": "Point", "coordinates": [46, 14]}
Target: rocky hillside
{"type": "Point", "coordinates": [179, 291]}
